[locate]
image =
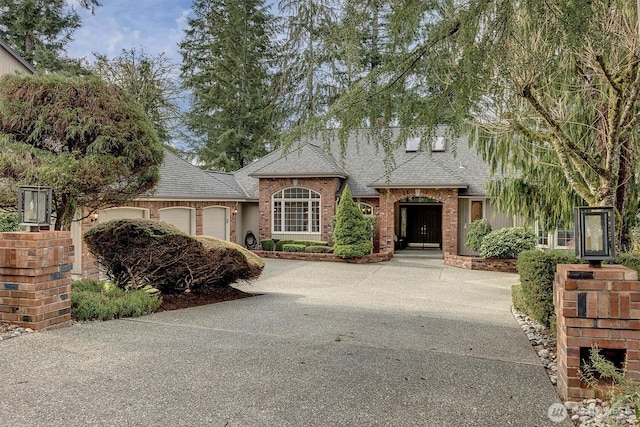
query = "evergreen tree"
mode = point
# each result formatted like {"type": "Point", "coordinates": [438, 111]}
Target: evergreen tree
{"type": "Point", "coordinates": [350, 234]}
{"type": "Point", "coordinates": [39, 30]}
{"type": "Point", "coordinates": [150, 80]}
{"type": "Point", "coordinates": [306, 83]}
{"type": "Point", "coordinates": [226, 53]}
{"type": "Point", "coordinates": [84, 138]}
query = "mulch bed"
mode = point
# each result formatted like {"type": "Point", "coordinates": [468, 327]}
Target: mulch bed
{"type": "Point", "coordinates": [186, 300]}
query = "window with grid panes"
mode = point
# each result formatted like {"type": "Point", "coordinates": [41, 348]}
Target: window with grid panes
{"type": "Point", "coordinates": [296, 210]}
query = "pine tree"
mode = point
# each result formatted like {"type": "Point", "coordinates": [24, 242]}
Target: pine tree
{"type": "Point", "coordinates": [306, 83]}
{"type": "Point", "coordinates": [350, 235]}
{"type": "Point", "coordinates": [226, 53]}
{"type": "Point", "coordinates": [39, 30]}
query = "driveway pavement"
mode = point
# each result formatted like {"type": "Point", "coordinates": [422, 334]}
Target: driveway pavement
{"type": "Point", "coordinates": [409, 342]}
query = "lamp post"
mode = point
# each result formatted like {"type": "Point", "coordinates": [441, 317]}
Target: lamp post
{"type": "Point", "coordinates": [34, 207]}
{"type": "Point", "coordinates": [594, 234]}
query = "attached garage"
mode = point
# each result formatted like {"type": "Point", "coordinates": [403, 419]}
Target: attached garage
{"type": "Point", "coordinates": [181, 217]}
{"type": "Point", "coordinates": [215, 222]}
{"type": "Point", "coordinates": [122, 213]}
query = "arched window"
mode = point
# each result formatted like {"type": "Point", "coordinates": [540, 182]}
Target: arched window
{"type": "Point", "coordinates": [296, 210]}
{"type": "Point", "coordinates": [366, 208]}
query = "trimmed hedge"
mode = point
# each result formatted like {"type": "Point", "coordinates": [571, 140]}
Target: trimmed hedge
{"type": "Point", "coordinates": [292, 247]}
{"type": "Point", "coordinates": [319, 249]}
{"type": "Point", "coordinates": [267, 244]}
{"type": "Point", "coordinates": [537, 270]}
{"type": "Point", "coordinates": [138, 252]}
{"type": "Point", "coordinates": [280, 243]}
{"type": "Point", "coordinates": [507, 242]}
{"type": "Point", "coordinates": [517, 299]}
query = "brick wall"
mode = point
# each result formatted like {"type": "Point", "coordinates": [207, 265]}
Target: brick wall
{"type": "Point", "coordinates": [595, 306]}
{"type": "Point", "coordinates": [303, 256]}
{"type": "Point", "coordinates": [327, 187]}
{"type": "Point", "coordinates": [386, 216]}
{"type": "Point", "coordinates": [483, 264]}
{"type": "Point", "coordinates": [35, 278]}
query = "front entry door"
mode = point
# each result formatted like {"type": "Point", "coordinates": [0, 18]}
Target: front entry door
{"type": "Point", "coordinates": [424, 225]}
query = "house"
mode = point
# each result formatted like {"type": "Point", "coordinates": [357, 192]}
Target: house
{"type": "Point", "coordinates": [11, 62]}
{"type": "Point", "coordinates": [422, 196]}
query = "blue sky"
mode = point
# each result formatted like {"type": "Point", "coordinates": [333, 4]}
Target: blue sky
{"type": "Point", "coordinates": [155, 25]}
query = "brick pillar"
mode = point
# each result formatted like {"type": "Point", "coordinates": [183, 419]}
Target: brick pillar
{"type": "Point", "coordinates": [595, 306]}
{"type": "Point", "coordinates": [35, 278]}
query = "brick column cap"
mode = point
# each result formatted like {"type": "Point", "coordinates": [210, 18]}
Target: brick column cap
{"type": "Point", "coordinates": [606, 272]}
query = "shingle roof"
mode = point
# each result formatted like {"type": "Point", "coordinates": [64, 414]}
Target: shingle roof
{"type": "Point", "coordinates": [308, 160]}
{"type": "Point", "coordinates": [421, 170]}
{"type": "Point", "coordinates": [180, 180]}
{"type": "Point", "coordinates": [363, 164]}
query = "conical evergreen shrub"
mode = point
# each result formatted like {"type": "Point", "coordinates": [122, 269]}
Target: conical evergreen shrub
{"type": "Point", "coordinates": [350, 235]}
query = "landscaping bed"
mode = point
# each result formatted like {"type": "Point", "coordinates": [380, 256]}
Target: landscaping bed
{"type": "Point", "coordinates": [187, 300]}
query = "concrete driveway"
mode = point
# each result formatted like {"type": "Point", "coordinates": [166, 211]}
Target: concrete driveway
{"type": "Point", "coordinates": [409, 342]}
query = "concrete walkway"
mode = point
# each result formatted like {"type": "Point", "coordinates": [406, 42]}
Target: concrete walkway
{"type": "Point", "coordinates": [409, 342]}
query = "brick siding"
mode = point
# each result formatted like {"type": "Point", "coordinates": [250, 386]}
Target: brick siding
{"type": "Point", "coordinates": [610, 319]}
{"type": "Point", "coordinates": [35, 278]}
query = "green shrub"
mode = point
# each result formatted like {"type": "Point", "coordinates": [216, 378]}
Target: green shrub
{"type": "Point", "coordinates": [478, 229]}
{"type": "Point", "coordinates": [507, 242]}
{"type": "Point", "coordinates": [292, 247]}
{"type": "Point", "coordinates": [537, 270]}
{"type": "Point", "coordinates": [9, 221]}
{"type": "Point", "coordinates": [319, 249]}
{"type": "Point", "coordinates": [631, 260]}
{"type": "Point", "coordinates": [280, 243]}
{"type": "Point", "coordinates": [350, 235]}
{"type": "Point", "coordinates": [518, 299]}
{"type": "Point", "coordinates": [371, 225]}
{"type": "Point", "coordinates": [93, 300]}
{"type": "Point", "coordinates": [267, 244]}
{"type": "Point", "coordinates": [624, 392]}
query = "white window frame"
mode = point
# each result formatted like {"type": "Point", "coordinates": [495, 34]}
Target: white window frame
{"type": "Point", "coordinates": [279, 198]}
{"type": "Point", "coordinates": [365, 206]}
{"type": "Point", "coordinates": [539, 236]}
{"type": "Point", "coordinates": [556, 240]}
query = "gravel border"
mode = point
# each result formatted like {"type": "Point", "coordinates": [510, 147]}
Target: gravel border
{"type": "Point", "coordinates": [585, 413]}
{"type": "Point", "coordinates": [7, 330]}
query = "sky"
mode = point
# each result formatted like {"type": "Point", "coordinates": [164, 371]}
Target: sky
{"type": "Point", "coordinates": [155, 25]}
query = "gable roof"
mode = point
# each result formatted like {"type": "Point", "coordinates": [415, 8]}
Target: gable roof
{"type": "Point", "coordinates": [180, 180]}
{"type": "Point", "coordinates": [363, 165]}
{"type": "Point", "coordinates": [308, 160]}
{"type": "Point", "coordinates": [28, 67]}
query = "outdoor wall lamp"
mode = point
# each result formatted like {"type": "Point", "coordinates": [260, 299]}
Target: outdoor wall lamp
{"type": "Point", "coordinates": [34, 207]}
{"type": "Point", "coordinates": [594, 234]}
{"type": "Point", "coordinates": [95, 216]}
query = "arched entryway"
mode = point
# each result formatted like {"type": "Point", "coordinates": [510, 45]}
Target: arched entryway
{"type": "Point", "coordinates": [419, 223]}
{"type": "Point", "coordinates": [423, 207]}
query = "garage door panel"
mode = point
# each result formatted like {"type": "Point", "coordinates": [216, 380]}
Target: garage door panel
{"type": "Point", "coordinates": [181, 218]}
{"type": "Point", "coordinates": [215, 222]}
{"type": "Point", "coordinates": [121, 213]}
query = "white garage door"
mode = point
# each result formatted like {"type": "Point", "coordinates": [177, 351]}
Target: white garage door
{"type": "Point", "coordinates": [122, 213]}
{"type": "Point", "coordinates": [215, 221]}
{"type": "Point", "coordinates": [180, 217]}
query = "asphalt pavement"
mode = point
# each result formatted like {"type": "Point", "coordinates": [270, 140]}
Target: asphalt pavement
{"type": "Point", "coordinates": [409, 342]}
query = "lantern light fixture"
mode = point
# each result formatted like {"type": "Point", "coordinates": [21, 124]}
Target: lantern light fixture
{"type": "Point", "coordinates": [34, 207]}
{"type": "Point", "coordinates": [595, 234]}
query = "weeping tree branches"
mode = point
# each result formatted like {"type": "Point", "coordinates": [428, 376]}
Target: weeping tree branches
{"type": "Point", "coordinates": [547, 90]}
